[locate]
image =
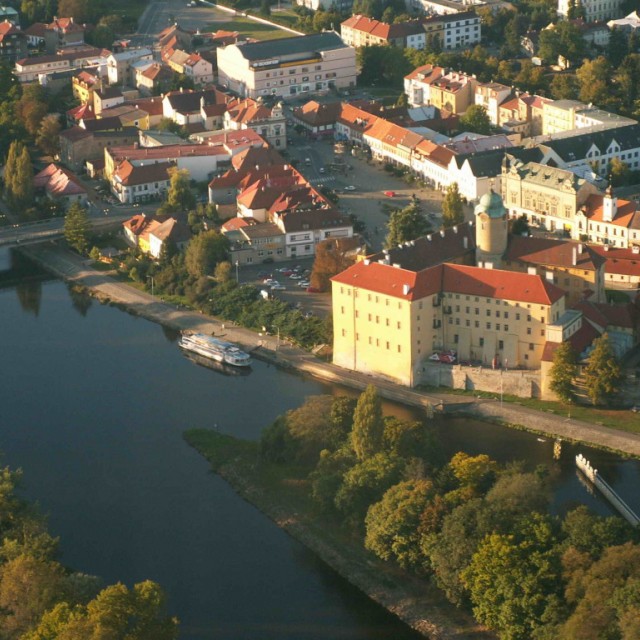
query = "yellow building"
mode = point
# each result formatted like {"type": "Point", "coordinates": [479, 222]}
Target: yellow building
{"type": "Point", "coordinates": [548, 196]}
{"type": "Point", "coordinates": [560, 115]}
{"type": "Point", "coordinates": [388, 321]}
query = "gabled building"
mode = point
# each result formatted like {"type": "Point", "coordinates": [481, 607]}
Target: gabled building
{"type": "Point", "coordinates": [417, 84]}
{"type": "Point", "coordinates": [195, 107]}
{"type": "Point", "coordinates": [84, 84]}
{"type": "Point", "coordinates": [573, 266]}
{"type": "Point", "coordinates": [141, 183]}
{"type": "Point", "coordinates": [351, 123]}
{"type": "Point", "coordinates": [317, 119]}
{"type": "Point", "coordinates": [361, 31]}
{"type": "Point", "coordinates": [269, 122]}
{"type": "Point", "coordinates": [77, 145]}
{"type": "Point", "coordinates": [150, 79]}
{"type": "Point", "coordinates": [119, 65]}
{"type": "Point", "coordinates": [594, 10]}
{"type": "Point", "coordinates": [522, 114]}
{"type": "Point", "coordinates": [58, 183]}
{"type": "Point", "coordinates": [491, 95]}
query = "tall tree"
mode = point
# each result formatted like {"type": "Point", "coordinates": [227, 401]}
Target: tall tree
{"type": "Point", "coordinates": [593, 79]}
{"type": "Point", "coordinates": [452, 208]}
{"type": "Point", "coordinates": [48, 135]}
{"type": "Point", "coordinates": [405, 225]}
{"type": "Point", "coordinates": [76, 9]}
{"type": "Point", "coordinates": [20, 185]}
{"type": "Point", "coordinates": [76, 228]}
{"type": "Point", "coordinates": [330, 259]}
{"type": "Point", "coordinates": [33, 107]}
{"type": "Point", "coordinates": [602, 376]}
{"type": "Point", "coordinates": [180, 197]}
{"type": "Point", "coordinates": [368, 425]}
{"type": "Point", "coordinates": [204, 252]}
{"type": "Point", "coordinates": [564, 371]}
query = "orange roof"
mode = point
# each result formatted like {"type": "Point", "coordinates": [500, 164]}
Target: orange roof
{"type": "Point", "coordinates": [351, 115]}
{"type": "Point", "coordinates": [392, 134]}
{"type": "Point", "coordinates": [248, 110]}
{"type": "Point", "coordinates": [450, 278]}
{"type": "Point", "coordinates": [623, 262]}
{"type": "Point", "coordinates": [426, 73]}
{"type": "Point", "coordinates": [625, 217]}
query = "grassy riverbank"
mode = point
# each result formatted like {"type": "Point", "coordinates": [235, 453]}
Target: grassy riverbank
{"type": "Point", "coordinates": [281, 493]}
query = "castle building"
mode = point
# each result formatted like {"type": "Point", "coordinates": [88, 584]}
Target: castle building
{"type": "Point", "coordinates": [492, 230]}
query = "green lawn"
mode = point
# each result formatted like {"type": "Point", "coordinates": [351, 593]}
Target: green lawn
{"type": "Point", "coordinates": [251, 29]}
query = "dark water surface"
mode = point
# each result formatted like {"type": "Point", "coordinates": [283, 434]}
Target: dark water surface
{"type": "Point", "coordinates": [94, 402]}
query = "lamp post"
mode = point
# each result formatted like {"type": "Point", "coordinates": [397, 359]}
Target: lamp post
{"type": "Point", "coordinates": [278, 337]}
{"type": "Point", "coordinates": [237, 278]}
{"type": "Point", "coordinates": [151, 278]}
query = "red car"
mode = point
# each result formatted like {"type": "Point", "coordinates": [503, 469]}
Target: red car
{"type": "Point", "coordinates": [313, 290]}
{"type": "Point", "coordinates": [389, 194]}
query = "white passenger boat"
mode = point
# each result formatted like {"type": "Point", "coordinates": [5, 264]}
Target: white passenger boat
{"type": "Point", "coordinates": [215, 349]}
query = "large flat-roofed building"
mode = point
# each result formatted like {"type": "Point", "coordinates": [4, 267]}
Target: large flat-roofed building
{"type": "Point", "coordinates": [287, 67]}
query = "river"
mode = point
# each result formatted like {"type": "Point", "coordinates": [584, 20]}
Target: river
{"type": "Point", "coordinates": [94, 402]}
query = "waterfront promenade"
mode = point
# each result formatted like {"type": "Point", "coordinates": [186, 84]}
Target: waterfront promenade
{"type": "Point", "coordinates": [77, 270]}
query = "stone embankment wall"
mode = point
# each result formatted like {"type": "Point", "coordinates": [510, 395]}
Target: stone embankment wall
{"type": "Point", "coordinates": [524, 384]}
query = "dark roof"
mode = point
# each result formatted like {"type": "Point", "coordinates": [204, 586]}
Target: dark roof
{"type": "Point", "coordinates": [189, 101]}
{"type": "Point", "coordinates": [291, 46]}
{"type": "Point", "coordinates": [489, 163]}
{"type": "Point", "coordinates": [109, 123]}
{"type": "Point", "coordinates": [576, 147]}
{"type": "Point", "coordinates": [432, 249]}
{"type": "Point", "coordinates": [557, 253]}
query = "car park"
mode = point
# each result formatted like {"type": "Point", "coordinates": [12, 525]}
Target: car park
{"type": "Point", "coordinates": [304, 284]}
{"type": "Point", "coordinates": [285, 271]}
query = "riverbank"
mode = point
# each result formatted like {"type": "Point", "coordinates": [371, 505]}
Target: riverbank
{"type": "Point", "coordinates": [73, 268]}
{"type": "Point", "coordinates": [417, 603]}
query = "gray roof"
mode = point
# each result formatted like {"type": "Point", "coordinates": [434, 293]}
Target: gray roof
{"type": "Point", "coordinates": [291, 46]}
{"type": "Point", "coordinates": [489, 163]}
{"type": "Point", "coordinates": [576, 147]}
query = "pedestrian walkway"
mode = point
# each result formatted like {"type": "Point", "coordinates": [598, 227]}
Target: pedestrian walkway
{"type": "Point", "coordinates": [75, 269]}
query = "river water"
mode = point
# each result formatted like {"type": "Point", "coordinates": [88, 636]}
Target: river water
{"type": "Point", "coordinates": [94, 402]}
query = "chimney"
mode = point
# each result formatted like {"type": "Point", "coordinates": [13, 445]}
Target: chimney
{"type": "Point", "coordinates": [580, 247]}
{"type": "Point", "coordinates": [531, 271]}
{"type": "Point", "coordinates": [465, 242]}
{"type": "Point", "coordinates": [574, 260]}
{"type": "Point", "coordinates": [549, 276]}
{"type": "Point", "coordinates": [405, 289]}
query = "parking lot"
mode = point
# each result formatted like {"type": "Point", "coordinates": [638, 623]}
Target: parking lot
{"type": "Point", "coordinates": [362, 188]}
{"type": "Point", "coordinates": [288, 288]}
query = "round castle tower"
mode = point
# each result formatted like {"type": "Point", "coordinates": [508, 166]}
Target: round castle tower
{"type": "Point", "coordinates": [492, 229]}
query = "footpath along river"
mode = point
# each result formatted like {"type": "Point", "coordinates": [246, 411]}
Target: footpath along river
{"type": "Point", "coordinates": [94, 403]}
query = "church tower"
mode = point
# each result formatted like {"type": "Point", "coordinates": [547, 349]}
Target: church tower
{"type": "Point", "coordinates": [492, 230]}
{"type": "Point", "coordinates": [609, 205]}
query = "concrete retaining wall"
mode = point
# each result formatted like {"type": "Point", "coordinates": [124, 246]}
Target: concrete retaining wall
{"type": "Point", "coordinates": [524, 384]}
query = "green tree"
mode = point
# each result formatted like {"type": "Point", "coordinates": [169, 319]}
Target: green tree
{"type": "Point", "coordinates": [341, 419]}
{"type": "Point", "coordinates": [617, 47]}
{"type": "Point", "coordinates": [32, 107]}
{"type": "Point", "coordinates": [28, 587]}
{"type": "Point", "coordinates": [476, 119]}
{"type": "Point", "coordinates": [78, 9]}
{"type": "Point", "coordinates": [48, 135]}
{"type": "Point", "coordinates": [204, 252]}
{"type": "Point", "coordinates": [180, 197]}
{"type": "Point", "coordinates": [405, 225]}
{"type": "Point", "coordinates": [564, 371]}
{"type": "Point", "coordinates": [326, 478]}
{"type": "Point", "coordinates": [368, 424]}
{"type": "Point", "coordinates": [222, 271]}
{"type": "Point", "coordinates": [265, 8]}
{"type": "Point", "coordinates": [514, 580]}
{"type": "Point", "coordinates": [365, 483]}
{"type": "Point", "coordinates": [564, 87]}
{"type": "Point", "coordinates": [602, 375]}
{"type": "Point", "coordinates": [19, 176]}
{"type": "Point", "coordinates": [619, 172]}
{"type": "Point", "coordinates": [593, 79]}
{"type": "Point", "coordinates": [452, 208]}
{"type": "Point", "coordinates": [392, 524]}
{"type": "Point", "coordinates": [76, 228]}
{"type": "Point", "coordinates": [309, 426]}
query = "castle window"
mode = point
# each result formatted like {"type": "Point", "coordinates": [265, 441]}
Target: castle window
{"type": "Point", "coordinates": [482, 342]}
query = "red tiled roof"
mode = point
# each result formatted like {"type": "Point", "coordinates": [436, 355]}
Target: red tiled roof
{"type": "Point", "coordinates": [487, 283]}
{"type": "Point", "coordinates": [626, 215]}
{"type": "Point", "coordinates": [129, 174]}
{"type": "Point", "coordinates": [619, 261]}
{"type": "Point", "coordinates": [580, 340]}
{"type": "Point", "coordinates": [316, 114]}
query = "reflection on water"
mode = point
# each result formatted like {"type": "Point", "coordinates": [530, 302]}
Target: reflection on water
{"type": "Point", "coordinates": [102, 452]}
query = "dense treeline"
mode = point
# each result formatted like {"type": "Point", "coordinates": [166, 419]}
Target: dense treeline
{"type": "Point", "coordinates": [481, 531]}
{"type": "Point", "coordinates": [203, 276]}
{"type": "Point", "coordinates": [40, 599]}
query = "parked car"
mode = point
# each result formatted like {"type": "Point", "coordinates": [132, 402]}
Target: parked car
{"type": "Point", "coordinates": [350, 188]}
{"type": "Point", "coordinates": [270, 281]}
{"type": "Point", "coordinates": [295, 276]}
{"type": "Point", "coordinates": [390, 194]}
{"type": "Point", "coordinates": [303, 284]}
{"type": "Point", "coordinates": [278, 287]}
{"type": "Point", "coordinates": [285, 271]}
{"type": "Point", "coordinates": [312, 290]}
